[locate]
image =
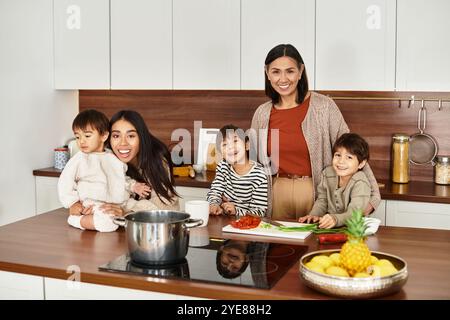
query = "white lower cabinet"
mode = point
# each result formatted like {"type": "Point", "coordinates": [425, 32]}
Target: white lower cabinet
{"type": "Point", "coordinates": [380, 213]}
{"type": "Point", "coordinates": [57, 289]}
{"type": "Point", "coordinates": [46, 194]}
{"type": "Point", "coordinates": [190, 193]}
{"type": "Point", "coordinates": [18, 286]}
{"type": "Point", "coordinates": [418, 214]}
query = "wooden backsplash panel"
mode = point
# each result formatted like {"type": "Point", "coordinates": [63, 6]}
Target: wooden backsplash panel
{"type": "Point", "coordinates": [165, 111]}
{"type": "Point", "coordinates": [376, 120]}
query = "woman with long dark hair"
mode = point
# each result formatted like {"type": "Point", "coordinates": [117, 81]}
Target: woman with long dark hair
{"type": "Point", "coordinates": [295, 132]}
{"type": "Point", "coordinates": [148, 161]}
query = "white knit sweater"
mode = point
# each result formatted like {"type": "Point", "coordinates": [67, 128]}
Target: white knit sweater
{"type": "Point", "coordinates": [97, 176]}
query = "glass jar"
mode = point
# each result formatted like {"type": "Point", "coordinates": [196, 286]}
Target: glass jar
{"type": "Point", "coordinates": [442, 170]}
{"type": "Point", "coordinates": [400, 158]}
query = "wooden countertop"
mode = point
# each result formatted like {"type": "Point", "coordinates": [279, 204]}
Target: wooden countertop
{"type": "Point", "coordinates": [45, 245]}
{"type": "Point", "coordinates": [424, 191]}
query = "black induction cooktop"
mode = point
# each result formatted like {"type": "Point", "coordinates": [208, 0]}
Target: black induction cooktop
{"type": "Point", "coordinates": [223, 261]}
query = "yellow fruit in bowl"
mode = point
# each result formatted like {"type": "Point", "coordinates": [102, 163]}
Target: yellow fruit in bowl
{"type": "Point", "coordinates": [361, 275]}
{"type": "Point", "coordinates": [374, 271]}
{"type": "Point", "coordinates": [322, 260]}
{"type": "Point", "coordinates": [337, 271]}
{"type": "Point", "coordinates": [381, 271]}
{"type": "Point", "coordinates": [387, 270]}
{"type": "Point", "coordinates": [313, 266]}
{"type": "Point", "coordinates": [373, 259]}
{"type": "Point", "coordinates": [384, 262]}
{"type": "Point", "coordinates": [336, 259]}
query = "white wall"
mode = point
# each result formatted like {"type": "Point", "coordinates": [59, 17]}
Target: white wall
{"type": "Point", "coordinates": [34, 118]}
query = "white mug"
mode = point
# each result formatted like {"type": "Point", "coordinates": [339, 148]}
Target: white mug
{"type": "Point", "coordinates": [198, 209]}
{"type": "Point", "coordinates": [198, 237]}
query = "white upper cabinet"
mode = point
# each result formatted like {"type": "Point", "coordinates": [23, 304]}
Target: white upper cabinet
{"type": "Point", "coordinates": [141, 44]}
{"type": "Point", "coordinates": [81, 31]}
{"type": "Point", "coordinates": [423, 46]}
{"type": "Point", "coordinates": [267, 23]}
{"type": "Point", "coordinates": [206, 44]}
{"type": "Point", "coordinates": [355, 44]}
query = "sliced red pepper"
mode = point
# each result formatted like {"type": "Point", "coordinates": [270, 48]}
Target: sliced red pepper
{"type": "Point", "coordinates": [246, 222]}
{"type": "Point", "coordinates": [332, 238]}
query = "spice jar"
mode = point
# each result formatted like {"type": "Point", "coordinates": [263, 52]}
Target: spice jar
{"type": "Point", "coordinates": [442, 170]}
{"type": "Point", "coordinates": [400, 158]}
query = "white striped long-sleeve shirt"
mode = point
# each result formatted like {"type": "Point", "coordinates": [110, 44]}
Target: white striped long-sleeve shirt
{"type": "Point", "coordinates": [248, 193]}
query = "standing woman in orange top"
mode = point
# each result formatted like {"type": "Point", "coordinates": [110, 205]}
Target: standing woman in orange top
{"type": "Point", "coordinates": [294, 133]}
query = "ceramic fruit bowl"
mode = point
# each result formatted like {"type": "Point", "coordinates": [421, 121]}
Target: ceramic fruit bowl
{"type": "Point", "coordinates": [354, 288]}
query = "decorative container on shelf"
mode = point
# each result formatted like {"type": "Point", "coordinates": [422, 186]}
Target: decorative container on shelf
{"type": "Point", "coordinates": [61, 157]}
{"type": "Point", "coordinates": [442, 170]}
{"type": "Point", "coordinates": [400, 158]}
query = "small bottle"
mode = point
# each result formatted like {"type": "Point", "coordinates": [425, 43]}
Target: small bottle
{"type": "Point", "coordinates": [400, 158]}
{"type": "Point", "coordinates": [442, 170]}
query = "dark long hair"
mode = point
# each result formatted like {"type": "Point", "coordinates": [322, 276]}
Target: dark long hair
{"type": "Point", "coordinates": [153, 157]}
{"type": "Point", "coordinates": [286, 50]}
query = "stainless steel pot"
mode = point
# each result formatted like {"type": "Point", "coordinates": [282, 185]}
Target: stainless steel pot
{"type": "Point", "coordinates": [157, 237]}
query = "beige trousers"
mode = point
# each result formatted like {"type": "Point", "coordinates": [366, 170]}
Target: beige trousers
{"type": "Point", "coordinates": [291, 198]}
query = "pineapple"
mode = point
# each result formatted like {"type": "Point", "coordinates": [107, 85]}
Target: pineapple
{"type": "Point", "coordinates": [355, 255]}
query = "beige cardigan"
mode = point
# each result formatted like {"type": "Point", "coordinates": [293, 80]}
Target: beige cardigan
{"type": "Point", "coordinates": [322, 125]}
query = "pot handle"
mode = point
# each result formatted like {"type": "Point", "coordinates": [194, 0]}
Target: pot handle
{"type": "Point", "coordinates": [192, 223]}
{"type": "Point", "coordinates": [120, 221]}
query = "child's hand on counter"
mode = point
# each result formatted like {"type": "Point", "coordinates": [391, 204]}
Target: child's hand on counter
{"type": "Point", "coordinates": [327, 222]}
{"type": "Point", "coordinates": [215, 210]}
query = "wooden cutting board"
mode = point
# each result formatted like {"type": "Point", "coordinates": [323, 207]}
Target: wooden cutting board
{"type": "Point", "coordinates": [273, 231]}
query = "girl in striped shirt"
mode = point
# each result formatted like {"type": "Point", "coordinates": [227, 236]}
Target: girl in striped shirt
{"type": "Point", "coordinates": [240, 185]}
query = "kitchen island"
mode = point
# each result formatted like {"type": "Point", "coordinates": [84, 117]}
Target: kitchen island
{"type": "Point", "coordinates": [45, 246]}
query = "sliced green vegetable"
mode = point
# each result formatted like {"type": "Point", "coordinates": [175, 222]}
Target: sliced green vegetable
{"type": "Point", "coordinates": [313, 228]}
{"type": "Point", "coordinates": [266, 225]}
{"type": "Point", "coordinates": [304, 228]}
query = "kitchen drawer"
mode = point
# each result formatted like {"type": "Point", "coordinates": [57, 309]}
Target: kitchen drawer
{"type": "Point", "coordinates": [56, 289]}
{"type": "Point", "coordinates": [18, 286]}
{"type": "Point", "coordinates": [418, 214]}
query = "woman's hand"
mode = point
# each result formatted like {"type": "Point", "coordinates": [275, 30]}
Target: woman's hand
{"type": "Point", "coordinates": [77, 209]}
{"type": "Point", "coordinates": [215, 210]}
{"type": "Point", "coordinates": [327, 222]}
{"type": "Point", "coordinates": [309, 219]}
{"type": "Point", "coordinates": [113, 209]}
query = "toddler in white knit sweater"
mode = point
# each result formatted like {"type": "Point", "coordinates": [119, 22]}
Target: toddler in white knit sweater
{"type": "Point", "coordinates": [95, 176]}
